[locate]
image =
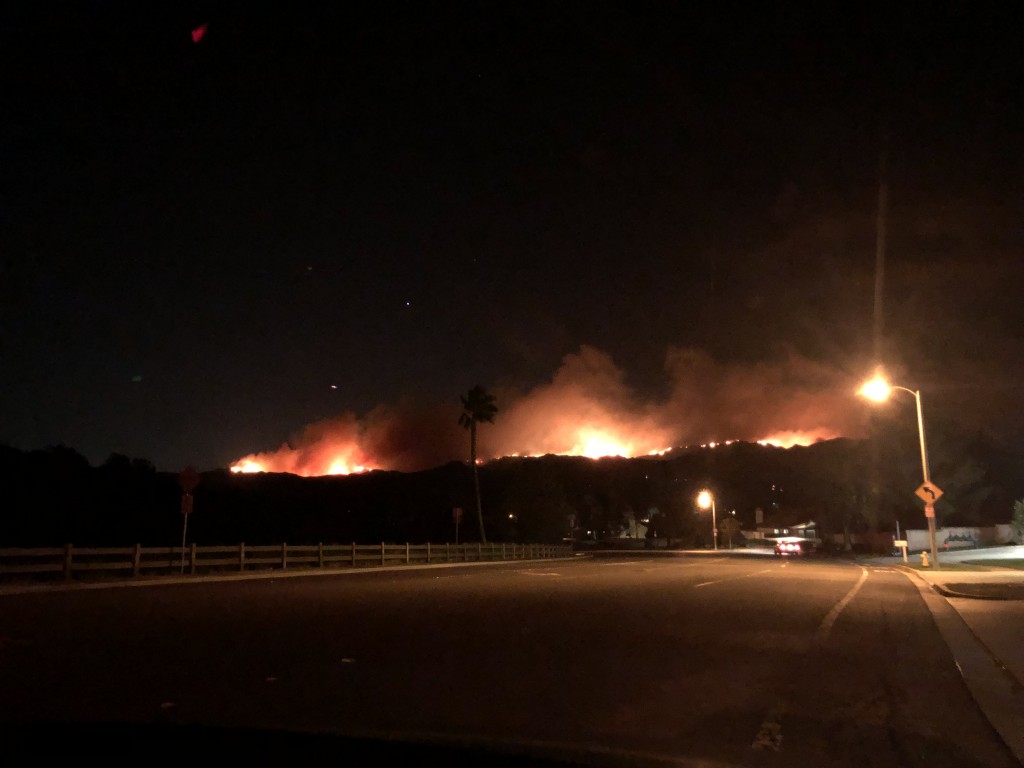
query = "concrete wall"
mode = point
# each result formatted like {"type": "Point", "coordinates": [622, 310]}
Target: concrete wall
{"type": "Point", "coordinates": [945, 538]}
{"type": "Point", "coordinates": [961, 538]}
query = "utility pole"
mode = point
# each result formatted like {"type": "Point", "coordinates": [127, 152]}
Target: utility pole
{"type": "Point", "coordinates": [878, 327]}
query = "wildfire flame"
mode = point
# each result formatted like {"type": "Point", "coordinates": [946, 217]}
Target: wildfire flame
{"type": "Point", "coordinates": [247, 466]}
{"type": "Point", "coordinates": [791, 438]}
{"type": "Point", "coordinates": [585, 410]}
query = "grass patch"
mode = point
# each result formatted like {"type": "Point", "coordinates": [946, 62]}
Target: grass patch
{"type": "Point", "coordinates": [1013, 562]}
{"type": "Point", "coordinates": [948, 566]}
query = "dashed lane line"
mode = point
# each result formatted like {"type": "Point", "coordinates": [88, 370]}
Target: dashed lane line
{"type": "Point", "coordinates": [733, 579]}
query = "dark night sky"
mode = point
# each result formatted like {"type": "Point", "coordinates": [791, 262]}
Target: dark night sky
{"type": "Point", "coordinates": [406, 199]}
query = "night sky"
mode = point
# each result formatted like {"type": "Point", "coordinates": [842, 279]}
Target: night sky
{"type": "Point", "coordinates": [207, 246]}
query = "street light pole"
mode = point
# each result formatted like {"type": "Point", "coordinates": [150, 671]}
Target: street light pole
{"type": "Point", "coordinates": [706, 499]}
{"type": "Point", "coordinates": [714, 523]}
{"type": "Point", "coordinates": [927, 476]}
{"type": "Point", "coordinates": [878, 390]}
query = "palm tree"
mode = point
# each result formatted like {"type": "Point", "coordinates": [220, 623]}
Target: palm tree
{"type": "Point", "coordinates": [477, 407]}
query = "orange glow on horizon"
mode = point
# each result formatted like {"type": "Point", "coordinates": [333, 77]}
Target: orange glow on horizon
{"type": "Point", "coordinates": [597, 444]}
{"type": "Point", "coordinates": [590, 442]}
{"type": "Point", "coordinates": [247, 466]}
{"type": "Point", "coordinates": [787, 439]}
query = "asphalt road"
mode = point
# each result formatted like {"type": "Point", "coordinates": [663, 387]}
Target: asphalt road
{"type": "Point", "coordinates": [746, 661]}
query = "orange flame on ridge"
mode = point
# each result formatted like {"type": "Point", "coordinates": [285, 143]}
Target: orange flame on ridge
{"type": "Point", "coordinates": [586, 409]}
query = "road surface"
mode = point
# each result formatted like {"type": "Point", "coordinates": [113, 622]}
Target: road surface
{"type": "Point", "coordinates": [742, 661]}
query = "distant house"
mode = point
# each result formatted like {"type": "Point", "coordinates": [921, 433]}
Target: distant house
{"type": "Point", "coordinates": [782, 525]}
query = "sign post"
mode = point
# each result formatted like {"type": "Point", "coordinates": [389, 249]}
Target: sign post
{"type": "Point", "coordinates": [899, 542]}
{"type": "Point", "coordinates": [929, 493]}
{"type": "Point", "coordinates": [457, 517]}
{"type": "Point", "coordinates": [188, 480]}
{"type": "Point", "coordinates": [902, 544]}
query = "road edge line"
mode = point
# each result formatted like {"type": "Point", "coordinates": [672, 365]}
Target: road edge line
{"type": "Point", "coordinates": [29, 589]}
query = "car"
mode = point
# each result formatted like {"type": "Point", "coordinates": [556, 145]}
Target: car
{"type": "Point", "coordinates": [791, 546]}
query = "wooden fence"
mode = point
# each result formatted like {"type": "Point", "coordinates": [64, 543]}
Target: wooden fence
{"type": "Point", "coordinates": [138, 560]}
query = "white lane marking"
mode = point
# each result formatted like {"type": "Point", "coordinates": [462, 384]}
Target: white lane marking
{"type": "Point", "coordinates": [649, 564]}
{"type": "Point", "coordinates": [538, 573]}
{"type": "Point", "coordinates": [826, 624]}
{"type": "Point", "coordinates": [732, 578]}
{"type": "Point", "coordinates": [769, 735]}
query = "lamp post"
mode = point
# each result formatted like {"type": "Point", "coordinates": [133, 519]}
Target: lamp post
{"type": "Point", "coordinates": [878, 389]}
{"type": "Point", "coordinates": [704, 500]}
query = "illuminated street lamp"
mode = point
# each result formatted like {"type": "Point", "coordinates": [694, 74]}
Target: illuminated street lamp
{"type": "Point", "coordinates": [878, 390]}
{"type": "Point", "coordinates": [705, 500]}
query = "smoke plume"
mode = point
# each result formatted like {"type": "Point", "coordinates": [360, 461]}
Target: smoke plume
{"type": "Point", "coordinates": [587, 409]}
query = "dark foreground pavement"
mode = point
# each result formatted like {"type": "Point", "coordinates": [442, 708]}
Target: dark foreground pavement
{"type": "Point", "coordinates": [737, 661]}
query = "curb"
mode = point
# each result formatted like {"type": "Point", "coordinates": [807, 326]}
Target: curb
{"type": "Point", "coordinates": [167, 581]}
{"type": "Point", "coordinates": [995, 689]}
{"type": "Point", "coordinates": [945, 591]}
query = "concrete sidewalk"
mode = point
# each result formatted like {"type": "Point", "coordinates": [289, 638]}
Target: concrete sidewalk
{"type": "Point", "coordinates": [980, 615]}
{"type": "Point", "coordinates": [991, 604]}
{"type": "Point", "coordinates": [989, 598]}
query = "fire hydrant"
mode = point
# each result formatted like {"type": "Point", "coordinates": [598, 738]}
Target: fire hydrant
{"type": "Point", "coordinates": [924, 560]}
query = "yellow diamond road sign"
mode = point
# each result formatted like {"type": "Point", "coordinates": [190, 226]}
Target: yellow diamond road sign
{"type": "Point", "coordinates": [929, 493]}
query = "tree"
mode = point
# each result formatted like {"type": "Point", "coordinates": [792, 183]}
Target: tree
{"type": "Point", "coordinates": [1017, 521]}
{"type": "Point", "coordinates": [477, 407]}
{"type": "Point", "coordinates": [730, 526]}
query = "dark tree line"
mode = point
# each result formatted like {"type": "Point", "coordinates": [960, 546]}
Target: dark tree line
{"type": "Point", "coordinates": [54, 496]}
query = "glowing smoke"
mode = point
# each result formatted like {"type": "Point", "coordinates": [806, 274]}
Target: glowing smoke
{"type": "Point", "coordinates": [587, 409]}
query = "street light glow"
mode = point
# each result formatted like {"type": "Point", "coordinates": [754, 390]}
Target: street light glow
{"type": "Point", "coordinates": [704, 500]}
{"type": "Point", "coordinates": [876, 389]}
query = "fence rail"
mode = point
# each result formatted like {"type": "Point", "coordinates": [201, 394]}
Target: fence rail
{"type": "Point", "coordinates": [138, 560]}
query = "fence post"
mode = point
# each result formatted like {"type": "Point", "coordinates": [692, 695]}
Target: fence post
{"type": "Point", "coordinates": [137, 559]}
{"type": "Point", "coordinates": [320, 554]}
{"type": "Point", "coordinates": [241, 556]}
{"type": "Point", "coordinates": [382, 553]}
{"type": "Point", "coordinates": [284, 555]}
{"type": "Point", "coordinates": [428, 552]}
{"type": "Point", "coordinates": [503, 551]}
{"type": "Point", "coordinates": [67, 561]}
{"type": "Point", "coordinates": [192, 559]}
{"type": "Point", "coordinates": [407, 553]}
{"type": "Point", "coordinates": [353, 554]}
{"type": "Point", "coordinates": [479, 551]}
